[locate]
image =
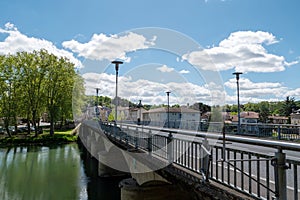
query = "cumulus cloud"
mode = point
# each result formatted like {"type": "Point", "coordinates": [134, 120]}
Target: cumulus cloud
{"type": "Point", "coordinates": [149, 91]}
{"type": "Point", "coordinates": [103, 47]}
{"type": "Point", "coordinates": [293, 93]}
{"type": "Point", "coordinates": [15, 42]}
{"type": "Point", "coordinates": [243, 51]}
{"type": "Point", "coordinates": [165, 68]}
{"type": "Point", "coordinates": [255, 92]}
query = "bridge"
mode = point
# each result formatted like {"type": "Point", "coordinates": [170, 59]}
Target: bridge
{"type": "Point", "coordinates": [184, 164]}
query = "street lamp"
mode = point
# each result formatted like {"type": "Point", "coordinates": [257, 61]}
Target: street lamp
{"type": "Point", "coordinates": [97, 101]}
{"type": "Point", "coordinates": [140, 114]}
{"type": "Point", "coordinates": [168, 114]}
{"type": "Point", "coordinates": [237, 75]}
{"type": "Point", "coordinates": [117, 63]}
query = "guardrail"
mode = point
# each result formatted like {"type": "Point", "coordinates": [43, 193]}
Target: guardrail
{"type": "Point", "coordinates": [274, 131]}
{"type": "Point", "coordinates": [258, 174]}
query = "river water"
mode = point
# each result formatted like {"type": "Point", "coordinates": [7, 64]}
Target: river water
{"type": "Point", "coordinates": [52, 173]}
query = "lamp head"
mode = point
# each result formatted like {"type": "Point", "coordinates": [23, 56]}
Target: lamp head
{"type": "Point", "coordinates": [116, 62]}
{"type": "Point", "coordinates": [237, 75]}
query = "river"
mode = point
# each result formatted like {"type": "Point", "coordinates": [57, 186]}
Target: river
{"type": "Point", "coordinates": [52, 173]}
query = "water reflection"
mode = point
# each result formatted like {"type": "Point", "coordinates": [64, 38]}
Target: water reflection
{"type": "Point", "coordinates": [99, 188]}
{"type": "Point", "coordinates": [56, 172]}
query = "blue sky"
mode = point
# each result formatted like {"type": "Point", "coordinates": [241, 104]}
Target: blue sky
{"type": "Point", "coordinates": [258, 37]}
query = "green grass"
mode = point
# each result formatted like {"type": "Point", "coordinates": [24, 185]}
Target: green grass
{"type": "Point", "coordinates": [59, 137]}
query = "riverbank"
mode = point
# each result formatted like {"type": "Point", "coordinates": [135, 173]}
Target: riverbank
{"type": "Point", "coordinates": [44, 139]}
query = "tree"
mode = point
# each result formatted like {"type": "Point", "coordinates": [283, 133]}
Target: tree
{"type": "Point", "coordinates": [264, 111]}
{"type": "Point", "coordinates": [10, 91]}
{"type": "Point", "coordinates": [58, 87]}
{"type": "Point", "coordinates": [231, 108]}
{"type": "Point", "coordinates": [201, 107]}
{"type": "Point", "coordinates": [33, 68]}
{"type": "Point", "coordinates": [37, 82]}
{"type": "Point", "coordinates": [288, 106]}
{"type": "Point", "coordinates": [251, 107]}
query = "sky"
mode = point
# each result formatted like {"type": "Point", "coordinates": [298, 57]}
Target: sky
{"type": "Point", "coordinates": [190, 48]}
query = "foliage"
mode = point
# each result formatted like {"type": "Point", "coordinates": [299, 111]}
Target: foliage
{"type": "Point", "coordinates": [265, 109]}
{"type": "Point", "coordinates": [44, 139]}
{"type": "Point", "coordinates": [201, 107]}
{"type": "Point", "coordinates": [34, 83]}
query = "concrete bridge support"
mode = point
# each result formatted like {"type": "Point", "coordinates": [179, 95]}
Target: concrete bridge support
{"type": "Point", "coordinates": [156, 190]}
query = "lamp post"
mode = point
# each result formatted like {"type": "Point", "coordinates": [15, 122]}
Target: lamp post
{"type": "Point", "coordinates": [168, 114]}
{"type": "Point", "coordinates": [117, 63]}
{"type": "Point", "coordinates": [237, 76]}
{"type": "Point", "coordinates": [140, 114]}
{"type": "Point", "coordinates": [97, 102]}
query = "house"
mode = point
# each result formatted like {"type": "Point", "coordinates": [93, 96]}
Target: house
{"type": "Point", "coordinates": [295, 117]}
{"type": "Point", "coordinates": [249, 120]}
{"type": "Point", "coordinates": [274, 119]}
{"type": "Point", "coordinates": [246, 117]}
{"type": "Point", "coordinates": [224, 116]}
{"type": "Point", "coordinates": [136, 114]}
{"type": "Point", "coordinates": [181, 117]}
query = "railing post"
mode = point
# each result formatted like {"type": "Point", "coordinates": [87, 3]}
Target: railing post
{"type": "Point", "coordinates": [280, 175]}
{"type": "Point", "coordinates": [278, 133]}
{"type": "Point", "coordinates": [170, 147]}
{"type": "Point", "coordinates": [136, 138]}
{"type": "Point", "coordinates": [149, 139]}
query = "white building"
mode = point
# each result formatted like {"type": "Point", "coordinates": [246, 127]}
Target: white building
{"type": "Point", "coordinates": [178, 117]}
{"type": "Point", "coordinates": [295, 117]}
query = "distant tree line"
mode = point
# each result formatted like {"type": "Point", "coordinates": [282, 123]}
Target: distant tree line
{"type": "Point", "coordinates": [265, 108]}
{"type": "Point", "coordinates": [32, 83]}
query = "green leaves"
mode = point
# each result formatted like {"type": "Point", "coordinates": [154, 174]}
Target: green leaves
{"type": "Point", "coordinates": [34, 83]}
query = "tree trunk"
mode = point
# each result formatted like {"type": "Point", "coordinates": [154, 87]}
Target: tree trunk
{"type": "Point", "coordinates": [6, 124]}
{"type": "Point", "coordinates": [34, 123]}
{"type": "Point", "coordinates": [51, 126]}
{"type": "Point", "coordinates": [28, 126]}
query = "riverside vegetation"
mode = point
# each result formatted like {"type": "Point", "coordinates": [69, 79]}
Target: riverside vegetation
{"type": "Point", "coordinates": [45, 139]}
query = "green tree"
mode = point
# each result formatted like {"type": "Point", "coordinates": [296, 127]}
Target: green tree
{"type": "Point", "coordinates": [288, 106]}
{"type": "Point", "coordinates": [251, 107]}
{"type": "Point", "coordinates": [201, 107]}
{"type": "Point", "coordinates": [58, 86]}
{"type": "Point", "coordinates": [34, 69]}
{"type": "Point", "coordinates": [264, 111]}
{"type": "Point", "coordinates": [10, 91]}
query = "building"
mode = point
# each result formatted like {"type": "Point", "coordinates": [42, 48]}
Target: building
{"type": "Point", "coordinates": [246, 117]}
{"type": "Point", "coordinates": [248, 121]}
{"type": "Point", "coordinates": [278, 119]}
{"type": "Point", "coordinates": [181, 117]}
{"type": "Point", "coordinates": [136, 114]}
{"type": "Point", "coordinates": [295, 117]}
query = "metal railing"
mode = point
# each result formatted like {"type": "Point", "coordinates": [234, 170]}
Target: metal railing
{"type": "Point", "coordinates": [274, 131]}
{"type": "Point", "coordinates": [267, 171]}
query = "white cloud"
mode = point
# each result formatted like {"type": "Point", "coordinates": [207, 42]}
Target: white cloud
{"type": "Point", "coordinates": [150, 92]}
{"type": "Point", "coordinates": [243, 51]}
{"type": "Point", "coordinates": [293, 93]}
{"type": "Point", "coordinates": [10, 26]}
{"type": "Point", "coordinates": [255, 92]}
{"type": "Point", "coordinates": [184, 71]}
{"type": "Point", "coordinates": [246, 84]}
{"type": "Point", "coordinates": [16, 42]}
{"type": "Point", "coordinates": [165, 68]}
{"type": "Point", "coordinates": [102, 47]}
